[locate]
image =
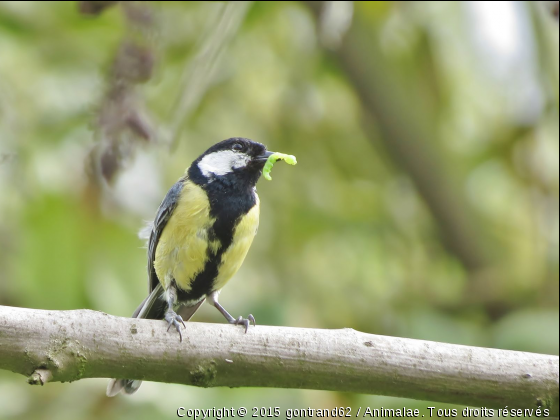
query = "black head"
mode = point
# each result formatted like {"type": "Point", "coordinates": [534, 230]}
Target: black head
{"type": "Point", "coordinates": [236, 163]}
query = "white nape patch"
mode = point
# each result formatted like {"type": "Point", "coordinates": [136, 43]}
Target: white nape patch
{"type": "Point", "coordinates": [222, 162]}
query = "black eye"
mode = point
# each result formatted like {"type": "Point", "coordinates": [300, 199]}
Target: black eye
{"type": "Point", "coordinates": [237, 147]}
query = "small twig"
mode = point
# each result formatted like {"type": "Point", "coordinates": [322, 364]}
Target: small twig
{"type": "Point", "coordinates": [40, 377]}
{"type": "Point", "coordinates": [122, 122]}
{"type": "Point", "coordinates": [199, 71]}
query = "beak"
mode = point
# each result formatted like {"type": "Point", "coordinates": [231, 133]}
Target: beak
{"type": "Point", "coordinates": [264, 157]}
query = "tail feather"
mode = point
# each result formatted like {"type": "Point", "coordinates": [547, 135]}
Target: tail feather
{"type": "Point", "coordinates": [129, 386]}
{"type": "Point", "coordinates": [153, 307]}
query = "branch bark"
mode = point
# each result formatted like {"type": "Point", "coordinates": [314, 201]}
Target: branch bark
{"type": "Point", "coordinates": [71, 345]}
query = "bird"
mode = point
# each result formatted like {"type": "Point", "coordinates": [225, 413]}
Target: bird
{"type": "Point", "coordinates": [201, 234]}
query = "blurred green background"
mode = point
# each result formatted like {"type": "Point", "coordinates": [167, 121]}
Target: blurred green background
{"type": "Point", "coordinates": [424, 203]}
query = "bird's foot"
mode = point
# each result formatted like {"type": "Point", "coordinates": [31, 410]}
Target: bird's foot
{"type": "Point", "coordinates": [244, 321]}
{"type": "Point", "coordinates": [175, 320]}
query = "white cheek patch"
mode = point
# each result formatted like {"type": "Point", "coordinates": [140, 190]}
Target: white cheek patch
{"type": "Point", "coordinates": [223, 162]}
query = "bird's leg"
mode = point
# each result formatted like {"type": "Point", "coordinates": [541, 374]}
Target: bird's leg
{"type": "Point", "coordinates": [171, 316]}
{"type": "Point", "coordinates": [213, 298]}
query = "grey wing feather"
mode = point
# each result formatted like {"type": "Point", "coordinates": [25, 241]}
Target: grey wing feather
{"type": "Point", "coordinates": [164, 212]}
{"type": "Point", "coordinates": [153, 307]}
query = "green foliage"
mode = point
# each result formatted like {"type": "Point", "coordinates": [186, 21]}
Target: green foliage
{"type": "Point", "coordinates": [348, 238]}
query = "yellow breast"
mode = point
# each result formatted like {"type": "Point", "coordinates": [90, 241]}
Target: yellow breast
{"type": "Point", "coordinates": [243, 236]}
{"type": "Point", "coordinates": [182, 247]}
{"type": "Point", "coordinates": [182, 250]}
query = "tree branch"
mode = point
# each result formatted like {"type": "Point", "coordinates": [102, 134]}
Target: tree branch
{"type": "Point", "coordinates": [71, 345]}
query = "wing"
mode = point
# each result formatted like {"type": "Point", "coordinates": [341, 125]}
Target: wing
{"type": "Point", "coordinates": [164, 212]}
{"type": "Point", "coordinates": [153, 307]}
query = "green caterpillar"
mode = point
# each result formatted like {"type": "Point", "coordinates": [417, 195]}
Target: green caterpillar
{"type": "Point", "coordinates": [290, 159]}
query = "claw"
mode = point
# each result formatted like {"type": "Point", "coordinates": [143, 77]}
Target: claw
{"type": "Point", "coordinates": [244, 322]}
{"type": "Point", "coordinates": [175, 320]}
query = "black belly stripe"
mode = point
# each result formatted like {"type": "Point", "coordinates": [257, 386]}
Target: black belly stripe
{"type": "Point", "coordinates": [227, 206]}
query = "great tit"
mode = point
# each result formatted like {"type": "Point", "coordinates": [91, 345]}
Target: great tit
{"type": "Point", "coordinates": [200, 236]}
